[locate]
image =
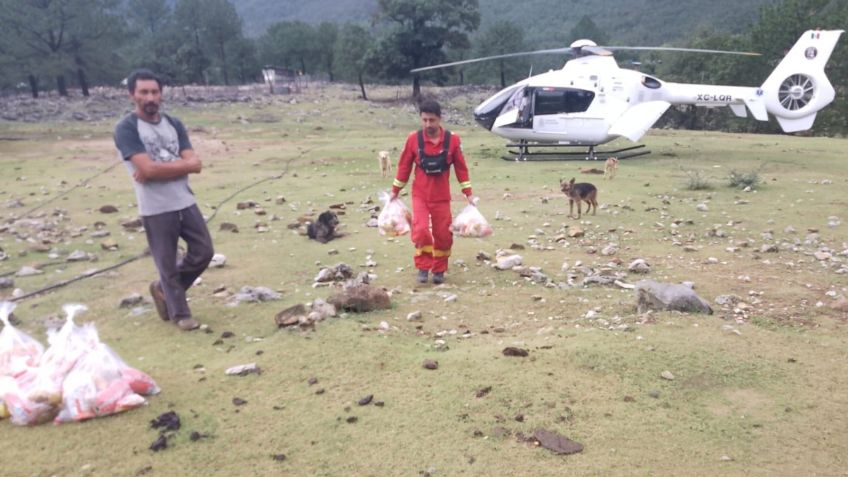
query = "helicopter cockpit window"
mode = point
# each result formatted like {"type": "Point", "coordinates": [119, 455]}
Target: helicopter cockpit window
{"type": "Point", "coordinates": [518, 101]}
{"type": "Point", "coordinates": [562, 100]}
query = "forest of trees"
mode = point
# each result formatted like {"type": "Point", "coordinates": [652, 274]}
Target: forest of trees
{"type": "Point", "coordinates": [62, 45]}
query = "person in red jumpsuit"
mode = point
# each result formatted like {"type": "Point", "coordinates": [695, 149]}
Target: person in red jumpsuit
{"type": "Point", "coordinates": [432, 156]}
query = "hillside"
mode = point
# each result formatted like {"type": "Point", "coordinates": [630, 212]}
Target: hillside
{"type": "Point", "coordinates": [647, 22]}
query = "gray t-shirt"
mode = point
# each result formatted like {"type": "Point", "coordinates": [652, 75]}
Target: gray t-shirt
{"type": "Point", "coordinates": [163, 142]}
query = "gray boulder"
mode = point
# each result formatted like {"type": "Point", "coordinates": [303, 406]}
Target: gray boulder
{"type": "Point", "coordinates": [651, 295]}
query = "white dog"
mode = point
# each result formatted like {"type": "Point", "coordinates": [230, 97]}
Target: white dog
{"type": "Point", "coordinates": [385, 163]}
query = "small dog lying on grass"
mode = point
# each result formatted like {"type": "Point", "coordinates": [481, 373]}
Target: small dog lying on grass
{"type": "Point", "coordinates": [324, 229]}
{"type": "Point", "coordinates": [610, 167]}
{"type": "Point", "coordinates": [580, 192]}
{"type": "Point", "coordinates": [385, 163]}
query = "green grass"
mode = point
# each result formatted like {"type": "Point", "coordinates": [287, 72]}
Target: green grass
{"type": "Point", "coordinates": [772, 399]}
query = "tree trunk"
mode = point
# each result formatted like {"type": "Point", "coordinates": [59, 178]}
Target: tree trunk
{"type": "Point", "coordinates": [416, 86]}
{"type": "Point", "coordinates": [33, 85]}
{"type": "Point", "coordinates": [362, 87]}
{"type": "Point", "coordinates": [224, 65]}
{"type": "Point", "coordinates": [302, 66]}
{"type": "Point", "coordinates": [503, 79]}
{"type": "Point", "coordinates": [461, 77]}
{"type": "Point", "coordinates": [82, 82]}
{"type": "Point", "coordinates": [60, 85]}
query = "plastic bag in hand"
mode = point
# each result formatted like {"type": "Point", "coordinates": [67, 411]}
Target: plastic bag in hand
{"type": "Point", "coordinates": [67, 345]}
{"type": "Point", "coordinates": [395, 219]}
{"type": "Point", "coordinates": [471, 223]}
{"type": "Point", "coordinates": [100, 384]}
{"type": "Point", "coordinates": [19, 352]}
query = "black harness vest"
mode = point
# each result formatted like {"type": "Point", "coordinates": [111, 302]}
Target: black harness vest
{"type": "Point", "coordinates": [432, 165]}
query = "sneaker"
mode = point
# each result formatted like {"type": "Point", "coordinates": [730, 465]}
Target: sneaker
{"type": "Point", "coordinates": [188, 324]}
{"type": "Point", "coordinates": [439, 278]}
{"type": "Point", "coordinates": [422, 277]}
{"type": "Point", "coordinates": [159, 300]}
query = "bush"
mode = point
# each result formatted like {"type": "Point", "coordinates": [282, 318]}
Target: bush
{"type": "Point", "coordinates": [697, 181]}
{"type": "Point", "coordinates": [741, 179]}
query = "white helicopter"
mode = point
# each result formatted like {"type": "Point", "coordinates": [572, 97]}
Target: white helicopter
{"type": "Point", "coordinates": [591, 101]}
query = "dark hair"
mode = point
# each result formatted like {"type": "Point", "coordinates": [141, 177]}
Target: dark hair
{"type": "Point", "coordinates": [142, 74]}
{"type": "Point", "coordinates": [430, 106]}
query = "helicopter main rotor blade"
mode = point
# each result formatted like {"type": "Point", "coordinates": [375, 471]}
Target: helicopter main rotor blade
{"type": "Point", "coordinates": [691, 50]}
{"type": "Point", "coordinates": [495, 57]}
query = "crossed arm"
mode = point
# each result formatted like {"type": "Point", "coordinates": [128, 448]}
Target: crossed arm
{"type": "Point", "coordinates": [147, 169]}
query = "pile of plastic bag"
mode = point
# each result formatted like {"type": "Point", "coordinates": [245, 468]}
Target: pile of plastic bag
{"type": "Point", "coordinates": [471, 223]}
{"type": "Point", "coordinates": [395, 219]}
{"type": "Point", "coordinates": [76, 378]}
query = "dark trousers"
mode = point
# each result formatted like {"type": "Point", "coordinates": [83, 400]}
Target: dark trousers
{"type": "Point", "coordinates": [176, 276]}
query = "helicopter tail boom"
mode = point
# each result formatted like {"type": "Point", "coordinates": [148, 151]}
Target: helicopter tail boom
{"type": "Point", "coordinates": [798, 88]}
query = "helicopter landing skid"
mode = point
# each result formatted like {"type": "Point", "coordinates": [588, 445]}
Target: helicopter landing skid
{"type": "Point", "coordinates": [523, 153]}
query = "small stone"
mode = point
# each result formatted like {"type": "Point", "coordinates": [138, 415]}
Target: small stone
{"type": "Point", "coordinates": [228, 227]}
{"type": "Point", "coordinates": [131, 301]}
{"type": "Point", "coordinates": [243, 370]}
{"type": "Point", "coordinates": [516, 352]}
{"type": "Point", "coordinates": [414, 316]}
{"type": "Point", "coordinates": [702, 207]}
{"type": "Point", "coordinates": [239, 401]}
{"type": "Point", "coordinates": [109, 245]}
{"type": "Point", "coordinates": [27, 271]}
{"type": "Point", "coordinates": [108, 209]}
{"type": "Point", "coordinates": [430, 364]}
{"type": "Point", "coordinates": [366, 400]}
{"type": "Point", "coordinates": [218, 260]}
{"type": "Point", "coordinates": [667, 375]}
{"type": "Point", "coordinates": [279, 457]}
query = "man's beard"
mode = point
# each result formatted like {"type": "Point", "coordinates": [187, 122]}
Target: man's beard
{"type": "Point", "coordinates": [150, 108]}
{"type": "Point", "coordinates": [432, 131]}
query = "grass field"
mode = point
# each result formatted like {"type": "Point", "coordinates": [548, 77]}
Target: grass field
{"type": "Point", "coordinates": [759, 391]}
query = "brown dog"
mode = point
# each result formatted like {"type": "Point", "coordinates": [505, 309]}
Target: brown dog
{"type": "Point", "coordinates": [580, 192]}
{"type": "Point", "coordinates": [610, 167]}
{"type": "Point", "coordinates": [385, 163]}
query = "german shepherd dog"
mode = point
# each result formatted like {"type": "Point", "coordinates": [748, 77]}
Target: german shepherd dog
{"type": "Point", "coordinates": [324, 229]}
{"type": "Point", "coordinates": [580, 192]}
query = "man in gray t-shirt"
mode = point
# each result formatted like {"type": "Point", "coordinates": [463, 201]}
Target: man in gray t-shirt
{"type": "Point", "coordinates": [159, 157]}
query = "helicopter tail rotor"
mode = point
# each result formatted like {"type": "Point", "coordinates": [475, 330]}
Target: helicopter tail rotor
{"type": "Point", "coordinates": [798, 88]}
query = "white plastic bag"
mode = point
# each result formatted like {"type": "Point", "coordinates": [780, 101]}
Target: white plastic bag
{"type": "Point", "coordinates": [19, 352]}
{"type": "Point", "coordinates": [471, 223]}
{"type": "Point", "coordinates": [67, 345]}
{"type": "Point", "coordinates": [101, 384]}
{"type": "Point", "coordinates": [395, 218]}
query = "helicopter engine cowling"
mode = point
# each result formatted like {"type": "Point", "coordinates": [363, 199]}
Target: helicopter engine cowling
{"type": "Point", "coordinates": [798, 88]}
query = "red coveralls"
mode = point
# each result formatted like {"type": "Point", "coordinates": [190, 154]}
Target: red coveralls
{"type": "Point", "coordinates": [431, 199]}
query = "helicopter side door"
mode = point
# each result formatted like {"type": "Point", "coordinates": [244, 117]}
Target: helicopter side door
{"type": "Point", "coordinates": [554, 109]}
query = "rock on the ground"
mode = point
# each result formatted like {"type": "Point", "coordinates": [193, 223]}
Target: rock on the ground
{"type": "Point", "coordinates": [131, 301]}
{"type": "Point", "coordinates": [727, 300]}
{"type": "Point", "coordinates": [6, 282]}
{"type": "Point", "coordinates": [249, 294]}
{"type": "Point", "coordinates": [556, 443]}
{"type": "Point", "coordinates": [652, 295]}
{"type": "Point", "coordinates": [27, 271]}
{"type": "Point", "coordinates": [414, 316]}
{"type": "Point", "coordinates": [108, 209]}
{"type": "Point", "coordinates": [291, 316]}
{"type": "Point", "coordinates": [243, 370]}
{"type": "Point", "coordinates": [430, 364]}
{"type": "Point", "coordinates": [361, 298]}
{"type": "Point", "coordinates": [639, 266]}
{"type": "Point", "coordinates": [507, 262]}
{"type": "Point", "coordinates": [218, 260]}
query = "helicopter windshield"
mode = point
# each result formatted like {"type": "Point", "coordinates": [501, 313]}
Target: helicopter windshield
{"type": "Point", "coordinates": [562, 100]}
